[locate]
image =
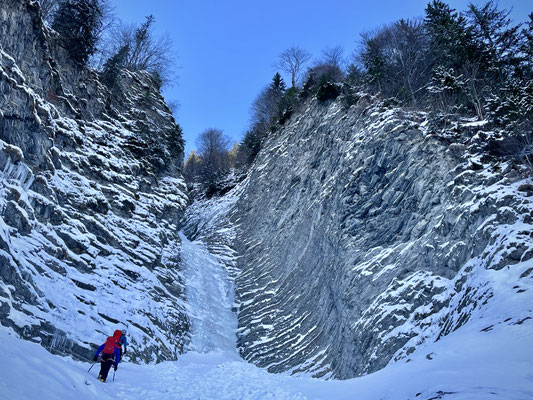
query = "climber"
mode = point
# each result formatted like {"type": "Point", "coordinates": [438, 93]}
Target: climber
{"type": "Point", "coordinates": [110, 354]}
{"type": "Point", "coordinates": [123, 342]}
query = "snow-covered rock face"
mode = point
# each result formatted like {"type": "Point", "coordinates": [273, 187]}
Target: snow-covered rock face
{"type": "Point", "coordinates": [361, 236]}
{"type": "Point", "coordinates": [91, 195]}
{"type": "Point", "coordinates": [357, 238]}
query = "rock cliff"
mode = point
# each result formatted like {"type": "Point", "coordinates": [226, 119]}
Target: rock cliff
{"type": "Point", "coordinates": [364, 231]}
{"type": "Point", "coordinates": [91, 195]}
{"type": "Point", "coordinates": [361, 232]}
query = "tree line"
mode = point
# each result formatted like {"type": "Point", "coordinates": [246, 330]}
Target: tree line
{"type": "Point", "coordinates": [472, 63]}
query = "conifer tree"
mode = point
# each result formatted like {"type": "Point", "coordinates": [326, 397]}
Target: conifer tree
{"type": "Point", "coordinates": [454, 48]}
{"type": "Point", "coordinates": [449, 39]}
{"type": "Point", "coordinates": [373, 60]}
{"type": "Point", "coordinates": [497, 39]}
{"type": "Point", "coordinates": [251, 144]}
{"type": "Point", "coordinates": [137, 59]}
{"type": "Point", "coordinates": [527, 47]}
{"type": "Point", "coordinates": [113, 65]}
{"type": "Point", "coordinates": [78, 23]}
{"type": "Point", "coordinates": [277, 85]}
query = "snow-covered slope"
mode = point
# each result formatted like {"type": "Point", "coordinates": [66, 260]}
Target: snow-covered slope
{"type": "Point", "coordinates": [462, 366]}
{"type": "Point", "coordinates": [91, 195]}
{"type": "Point", "coordinates": [209, 266]}
{"type": "Point", "coordinates": [365, 231]}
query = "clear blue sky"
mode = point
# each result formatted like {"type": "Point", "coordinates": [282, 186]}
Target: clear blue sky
{"type": "Point", "coordinates": [226, 48]}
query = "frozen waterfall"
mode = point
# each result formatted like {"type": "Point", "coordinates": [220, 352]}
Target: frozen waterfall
{"type": "Point", "coordinates": [210, 298]}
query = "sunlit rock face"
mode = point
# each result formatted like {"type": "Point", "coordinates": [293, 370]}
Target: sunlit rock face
{"type": "Point", "coordinates": [362, 233]}
{"type": "Point", "coordinates": [91, 195]}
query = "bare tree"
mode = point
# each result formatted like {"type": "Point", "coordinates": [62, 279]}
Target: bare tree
{"type": "Point", "coordinates": [109, 20]}
{"type": "Point", "coordinates": [292, 62]}
{"type": "Point", "coordinates": [395, 59]}
{"type": "Point", "coordinates": [213, 148]}
{"type": "Point", "coordinates": [141, 50]}
{"type": "Point", "coordinates": [409, 47]}
{"type": "Point", "coordinates": [323, 72]}
{"type": "Point", "coordinates": [333, 56]}
{"type": "Point", "coordinates": [174, 106]}
{"type": "Point", "coordinates": [145, 50]}
{"type": "Point", "coordinates": [327, 68]}
{"type": "Point", "coordinates": [265, 107]}
{"type": "Point", "coordinates": [233, 155]}
{"type": "Point", "coordinates": [212, 141]}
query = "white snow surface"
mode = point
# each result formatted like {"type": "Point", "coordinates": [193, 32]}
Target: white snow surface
{"type": "Point", "coordinates": [467, 364]}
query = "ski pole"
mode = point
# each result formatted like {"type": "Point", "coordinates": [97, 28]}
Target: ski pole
{"type": "Point", "coordinates": [89, 370]}
{"type": "Point", "coordinates": [114, 375]}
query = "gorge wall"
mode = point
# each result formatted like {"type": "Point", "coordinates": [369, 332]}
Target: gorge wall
{"type": "Point", "coordinates": [91, 196]}
{"type": "Point", "coordinates": [362, 233]}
